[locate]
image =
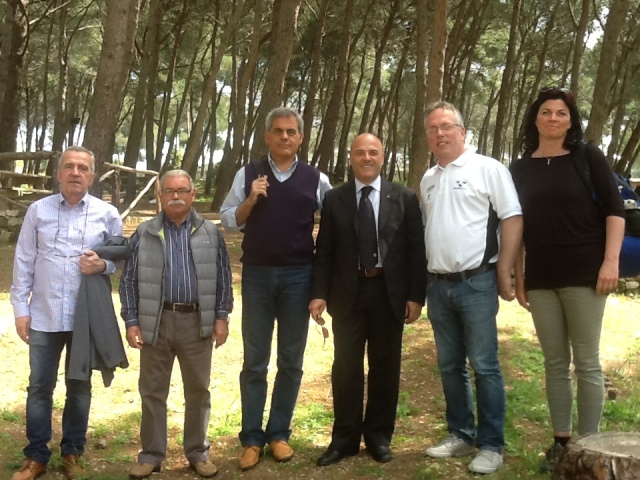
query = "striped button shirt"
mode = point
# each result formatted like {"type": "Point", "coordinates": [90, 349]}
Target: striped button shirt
{"type": "Point", "coordinates": [46, 269]}
{"type": "Point", "coordinates": [180, 280]}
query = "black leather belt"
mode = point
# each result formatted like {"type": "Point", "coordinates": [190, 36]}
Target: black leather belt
{"type": "Point", "coordinates": [370, 272]}
{"type": "Point", "coordinates": [462, 276]}
{"type": "Point", "coordinates": [181, 307]}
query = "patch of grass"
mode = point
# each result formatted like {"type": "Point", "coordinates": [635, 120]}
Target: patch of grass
{"type": "Point", "coordinates": [370, 471]}
{"type": "Point", "coordinates": [9, 416]}
{"type": "Point", "coordinates": [405, 407]}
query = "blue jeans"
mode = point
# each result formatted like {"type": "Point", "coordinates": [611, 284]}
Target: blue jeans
{"type": "Point", "coordinates": [45, 350]}
{"type": "Point", "coordinates": [270, 293]}
{"type": "Point", "coordinates": [463, 316]}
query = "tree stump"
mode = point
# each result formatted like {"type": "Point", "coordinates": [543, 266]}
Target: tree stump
{"type": "Point", "coordinates": [601, 456]}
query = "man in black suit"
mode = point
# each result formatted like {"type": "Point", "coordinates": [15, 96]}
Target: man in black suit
{"type": "Point", "coordinates": [371, 284]}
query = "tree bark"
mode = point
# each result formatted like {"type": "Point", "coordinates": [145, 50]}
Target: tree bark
{"type": "Point", "coordinates": [15, 33]}
{"type": "Point", "coordinates": [604, 455]}
{"type": "Point", "coordinates": [578, 47]}
{"type": "Point", "coordinates": [332, 114]}
{"type": "Point", "coordinates": [608, 54]}
{"type": "Point", "coordinates": [113, 68]}
{"type": "Point", "coordinates": [282, 39]}
{"type": "Point", "coordinates": [504, 94]}
{"type": "Point", "coordinates": [418, 150]}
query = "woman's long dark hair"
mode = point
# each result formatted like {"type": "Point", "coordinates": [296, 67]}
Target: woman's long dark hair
{"type": "Point", "coordinates": [573, 137]}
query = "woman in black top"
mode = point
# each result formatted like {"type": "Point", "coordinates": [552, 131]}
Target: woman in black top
{"type": "Point", "coordinates": [573, 219]}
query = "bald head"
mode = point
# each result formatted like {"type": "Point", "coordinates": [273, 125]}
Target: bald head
{"type": "Point", "coordinates": [367, 157]}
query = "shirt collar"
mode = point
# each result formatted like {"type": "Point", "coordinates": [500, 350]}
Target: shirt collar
{"type": "Point", "coordinates": [460, 161]}
{"type": "Point", "coordinates": [375, 184]}
{"type": "Point", "coordinates": [83, 201]}
{"type": "Point", "coordinates": [274, 167]}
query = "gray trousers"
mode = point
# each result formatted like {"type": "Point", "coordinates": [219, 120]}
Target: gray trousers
{"type": "Point", "coordinates": [179, 336]}
{"type": "Point", "coordinates": [569, 321]}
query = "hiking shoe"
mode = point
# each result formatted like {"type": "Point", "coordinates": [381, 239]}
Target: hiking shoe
{"type": "Point", "coordinates": [551, 458]}
{"type": "Point", "coordinates": [143, 470]}
{"type": "Point", "coordinates": [250, 457]}
{"type": "Point", "coordinates": [281, 450]}
{"type": "Point", "coordinates": [205, 469]}
{"type": "Point", "coordinates": [72, 467]}
{"type": "Point", "coordinates": [451, 446]}
{"type": "Point", "coordinates": [487, 461]}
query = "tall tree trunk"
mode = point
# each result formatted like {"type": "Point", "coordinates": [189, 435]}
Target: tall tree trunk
{"type": "Point", "coordinates": [282, 39]}
{"type": "Point", "coordinates": [152, 52]}
{"type": "Point", "coordinates": [113, 68]}
{"type": "Point", "coordinates": [197, 133]}
{"type": "Point", "coordinates": [136, 128]}
{"type": "Point", "coordinates": [580, 42]}
{"type": "Point", "coordinates": [227, 167]}
{"type": "Point", "coordinates": [436, 55]}
{"type": "Point", "coordinates": [608, 54]}
{"type": "Point", "coordinates": [332, 114]}
{"type": "Point", "coordinates": [15, 33]}
{"type": "Point", "coordinates": [314, 74]}
{"type": "Point", "coordinates": [507, 81]}
{"type": "Point", "coordinates": [418, 149]}
{"type": "Point", "coordinates": [61, 122]}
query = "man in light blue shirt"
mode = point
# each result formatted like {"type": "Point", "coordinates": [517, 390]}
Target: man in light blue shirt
{"type": "Point", "coordinates": [53, 250]}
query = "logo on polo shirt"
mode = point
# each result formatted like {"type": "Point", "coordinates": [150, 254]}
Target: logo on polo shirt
{"type": "Point", "coordinates": [460, 185]}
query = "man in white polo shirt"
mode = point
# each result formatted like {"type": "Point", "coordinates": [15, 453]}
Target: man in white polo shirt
{"type": "Point", "coordinates": [473, 228]}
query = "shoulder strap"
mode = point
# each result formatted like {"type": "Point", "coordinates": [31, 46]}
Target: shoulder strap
{"type": "Point", "coordinates": [581, 162]}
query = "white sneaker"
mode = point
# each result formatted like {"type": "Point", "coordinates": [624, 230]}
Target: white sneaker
{"type": "Point", "coordinates": [486, 461]}
{"type": "Point", "coordinates": [452, 446]}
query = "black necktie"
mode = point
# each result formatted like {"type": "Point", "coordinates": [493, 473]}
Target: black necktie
{"type": "Point", "coordinates": [367, 236]}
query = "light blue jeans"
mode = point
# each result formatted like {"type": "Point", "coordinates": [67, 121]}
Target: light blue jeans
{"type": "Point", "coordinates": [569, 321]}
{"type": "Point", "coordinates": [463, 317]}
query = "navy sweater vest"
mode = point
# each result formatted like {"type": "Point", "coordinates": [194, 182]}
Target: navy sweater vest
{"type": "Point", "coordinates": [279, 230]}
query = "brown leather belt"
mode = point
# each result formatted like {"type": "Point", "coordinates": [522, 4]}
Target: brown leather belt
{"type": "Point", "coordinates": [181, 307]}
{"type": "Point", "coordinates": [461, 276]}
{"type": "Point", "coordinates": [370, 272]}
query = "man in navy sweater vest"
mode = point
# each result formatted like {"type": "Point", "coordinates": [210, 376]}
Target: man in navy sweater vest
{"type": "Point", "coordinates": [273, 200]}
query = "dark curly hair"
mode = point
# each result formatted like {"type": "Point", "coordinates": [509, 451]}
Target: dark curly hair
{"type": "Point", "coordinates": [531, 136]}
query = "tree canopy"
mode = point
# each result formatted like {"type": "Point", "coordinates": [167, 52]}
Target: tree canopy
{"type": "Point", "coordinates": [188, 83]}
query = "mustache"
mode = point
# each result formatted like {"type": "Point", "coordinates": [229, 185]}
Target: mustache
{"type": "Point", "coordinates": [176, 202]}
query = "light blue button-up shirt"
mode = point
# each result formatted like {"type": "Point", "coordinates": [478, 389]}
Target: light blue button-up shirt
{"type": "Point", "coordinates": [46, 269]}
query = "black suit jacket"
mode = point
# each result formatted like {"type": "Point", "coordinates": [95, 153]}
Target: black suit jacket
{"type": "Point", "coordinates": [400, 240]}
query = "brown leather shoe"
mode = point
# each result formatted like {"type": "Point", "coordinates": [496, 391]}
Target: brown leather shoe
{"type": "Point", "coordinates": [29, 470]}
{"type": "Point", "coordinates": [72, 466]}
{"type": "Point", "coordinates": [206, 469]}
{"type": "Point", "coordinates": [250, 457]}
{"type": "Point", "coordinates": [281, 450]}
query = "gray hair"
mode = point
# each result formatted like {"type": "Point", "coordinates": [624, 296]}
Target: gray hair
{"type": "Point", "coordinates": [444, 106]}
{"type": "Point", "coordinates": [76, 148]}
{"type": "Point", "coordinates": [176, 173]}
{"type": "Point", "coordinates": [283, 112]}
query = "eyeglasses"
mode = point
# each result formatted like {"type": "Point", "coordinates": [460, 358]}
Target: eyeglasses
{"type": "Point", "coordinates": [170, 192]}
{"type": "Point", "coordinates": [325, 333]}
{"type": "Point", "coordinates": [445, 127]}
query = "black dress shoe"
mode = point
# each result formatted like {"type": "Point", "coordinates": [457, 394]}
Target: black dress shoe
{"type": "Point", "coordinates": [332, 456]}
{"type": "Point", "coordinates": [380, 453]}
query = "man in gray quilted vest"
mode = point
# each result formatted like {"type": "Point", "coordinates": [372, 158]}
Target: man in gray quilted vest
{"type": "Point", "coordinates": [176, 297]}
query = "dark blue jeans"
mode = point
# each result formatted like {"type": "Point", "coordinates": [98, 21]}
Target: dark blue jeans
{"type": "Point", "coordinates": [270, 293]}
{"type": "Point", "coordinates": [463, 316]}
{"type": "Point", "coordinates": [45, 350]}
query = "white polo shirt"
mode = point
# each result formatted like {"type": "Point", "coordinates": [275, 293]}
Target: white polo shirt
{"type": "Point", "coordinates": [462, 204]}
